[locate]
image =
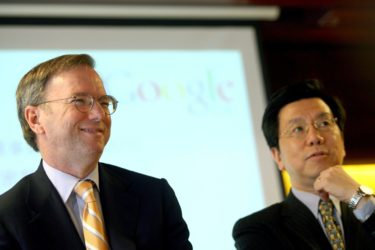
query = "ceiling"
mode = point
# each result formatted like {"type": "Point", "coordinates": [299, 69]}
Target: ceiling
{"type": "Point", "coordinates": [327, 21]}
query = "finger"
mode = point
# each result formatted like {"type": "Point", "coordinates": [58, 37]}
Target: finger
{"type": "Point", "coordinates": [318, 184]}
{"type": "Point", "coordinates": [323, 195]}
{"type": "Point", "coordinates": [319, 188]}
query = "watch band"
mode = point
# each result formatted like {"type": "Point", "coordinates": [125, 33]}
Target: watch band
{"type": "Point", "coordinates": [361, 192]}
{"type": "Point", "coordinates": [357, 196]}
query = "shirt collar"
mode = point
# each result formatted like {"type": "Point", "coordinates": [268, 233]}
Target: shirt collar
{"type": "Point", "coordinates": [312, 201]}
{"type": "Point", "coordinates": [64, 183]}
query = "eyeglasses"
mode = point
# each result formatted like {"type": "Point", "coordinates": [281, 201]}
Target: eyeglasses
{"type": "Point", "coordinates": [300, 128]}
{"type": "Point", "coordinates": [85, 103]}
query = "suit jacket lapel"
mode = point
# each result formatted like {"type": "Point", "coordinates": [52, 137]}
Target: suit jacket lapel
{"type": "Point", "coordinates": [120, 209]}
{"type": "Point", "coordinates": [349, 226]}
{"type": "Point", "coordinates": [50, 225]}
{"type": "Point", "coordinates": [300, 220]}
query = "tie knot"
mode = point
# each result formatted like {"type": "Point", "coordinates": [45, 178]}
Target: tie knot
{"type": "Point", "coordinates": [85, 190]}
{"type": "Point", "coordinates": [325, 207]}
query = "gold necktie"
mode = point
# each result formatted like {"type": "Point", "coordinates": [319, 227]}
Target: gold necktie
{"type": "Point", "coordinates": [331, 226]}
{"type": "Point", "coordinates": [93, 228]}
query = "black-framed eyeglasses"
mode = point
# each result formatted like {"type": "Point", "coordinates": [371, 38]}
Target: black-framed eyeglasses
{"type": "Point", "coordinates": [85, 103]}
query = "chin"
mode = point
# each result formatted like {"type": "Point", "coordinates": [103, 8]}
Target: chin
{"type": "Point", "coordinates": [317, 168]}
{"type": "Point", "coordinates": [94, 150]}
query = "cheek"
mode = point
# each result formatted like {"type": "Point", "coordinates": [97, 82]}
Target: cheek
{"type": "Point", "coordinates": [291, 154]}
{"type": "Point", "coordinates": [108, 122]}
{"type": "Point", "coordinates": [289, 149]}
{"type": "Point", "coordinates": [339, 142]}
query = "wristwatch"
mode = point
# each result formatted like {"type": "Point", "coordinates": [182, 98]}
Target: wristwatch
{"type": "Point", "coordinates": [361, 192]}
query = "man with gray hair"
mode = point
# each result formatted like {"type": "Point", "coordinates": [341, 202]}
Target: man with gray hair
{"type": "Point", "coordinates": [73, 201]}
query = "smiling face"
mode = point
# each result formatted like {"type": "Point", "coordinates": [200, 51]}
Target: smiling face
{"type": "Point", "coordinates": [66, 136]}
{"type": "Point", "coordinates": [304, 158]}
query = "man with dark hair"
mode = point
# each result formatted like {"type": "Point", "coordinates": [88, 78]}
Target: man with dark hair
{"type": "Point", "coordinates": [73, 201]}
{"type": "Point", "coordinates": [326, 208]}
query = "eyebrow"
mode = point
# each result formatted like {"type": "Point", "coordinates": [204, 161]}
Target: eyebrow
{"type": "Point", "coordinates": [299, 119]}
{"type": "Point", "coordinates": [87, 94]}
{"type": "Point", "coordinates": [295, 120]}
{"type": "Point", "coordinates": [79, 93]}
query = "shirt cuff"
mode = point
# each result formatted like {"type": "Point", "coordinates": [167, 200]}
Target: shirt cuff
{"type": "Point", "coordinates": [366, 211]}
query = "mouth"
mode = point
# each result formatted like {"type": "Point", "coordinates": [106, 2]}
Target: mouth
{"type": "Point", "coordinates": [318, 154]}
{"type": "Point", "coordinates": [93, 130]}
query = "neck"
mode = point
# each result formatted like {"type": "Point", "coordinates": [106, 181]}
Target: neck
{"type": "Point", "coordinates": [79, 169]}
{"type": "Point", "coordinates": [310, 189]}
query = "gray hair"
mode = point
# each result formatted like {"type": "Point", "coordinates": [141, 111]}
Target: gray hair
{"type": "Point", "coordinates": [31, 89]}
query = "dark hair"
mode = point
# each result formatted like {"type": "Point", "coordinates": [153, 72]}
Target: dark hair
{"type": "Point", "coordinates": [310, 88]}
{"type": "Point", "coordinates": [31, 88]}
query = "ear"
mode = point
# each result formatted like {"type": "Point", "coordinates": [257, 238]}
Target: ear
{"type": "Point", "coordinates": [276, 155]}
{"type": "Point", "coordinates": [32, 116]}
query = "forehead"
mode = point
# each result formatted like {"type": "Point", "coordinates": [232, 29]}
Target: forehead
{"type": "Point", "coordinates": [78, 80]}
{"type": "Point", "coordinates": [310, 108]}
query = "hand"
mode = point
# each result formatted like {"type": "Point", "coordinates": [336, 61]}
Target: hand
{"type": "Point", "coordinates": [336, 182]}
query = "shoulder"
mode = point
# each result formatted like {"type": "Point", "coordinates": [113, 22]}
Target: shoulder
{"type": "Point", "coordinates": [260, 230]}
{"type": "Point", "coordinates": [14, 200]}
{"type": "Point", "coordinates": [134, 181]}
{"type": "Point", "coordinates": [123, 173]}
{"type": "Point", "coordinates": [264, 218]}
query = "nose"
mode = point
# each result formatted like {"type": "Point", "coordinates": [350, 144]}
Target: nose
{"type": "Point", "coordinates": [314, 136]}
{"type": "Point", "coordinates": [96, 112]}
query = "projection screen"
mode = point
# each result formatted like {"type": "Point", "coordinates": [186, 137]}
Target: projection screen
{"type": "Point", "coordinates": [190, 107]}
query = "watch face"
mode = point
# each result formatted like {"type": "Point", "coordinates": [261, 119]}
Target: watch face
{"type": "Point", "coordinates": [366, 190]}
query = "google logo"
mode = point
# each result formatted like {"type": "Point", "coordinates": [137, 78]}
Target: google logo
{"type": "Point", "coordinates": [196, 95]}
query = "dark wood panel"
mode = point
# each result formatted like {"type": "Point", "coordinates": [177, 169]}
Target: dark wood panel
{"type": "Point", "coordinates": [346, 71]}
{"type": "Point", "coordinates": [334, 42]}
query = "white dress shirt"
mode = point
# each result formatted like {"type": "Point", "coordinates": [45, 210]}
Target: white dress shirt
{"type": "Point", "coordinates": [64, 184]}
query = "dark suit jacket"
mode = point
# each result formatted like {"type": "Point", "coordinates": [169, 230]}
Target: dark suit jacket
{"type": "Point", "coordinates": [290, 225]}
{"type": "Point", "coordinates": [140, 212]}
